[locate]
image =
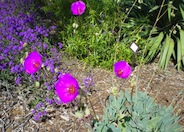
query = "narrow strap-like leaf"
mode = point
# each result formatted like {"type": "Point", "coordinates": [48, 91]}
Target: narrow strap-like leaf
{"type": "Point", "coordinates": [182, 44]}
{"type": "Point", "coordinates": [170, 50]}
{"type": "Point", "coordinates": [179, 54]}
{"type": "Point", "coordinates": [167, 51]}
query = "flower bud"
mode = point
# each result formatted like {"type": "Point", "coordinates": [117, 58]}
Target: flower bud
{"type": "Point", "coordinates": [26, 54]}
{"type": "Point", "coordinates": [37, 84]}
{"type": "Point", "coordinates": [114, 91]}
{"type": "Point", "coordinates": [75, 25]}
{"type": "Point", "coordinates": [42, 65]}
{"type": "Point", "coordinates": [25, 44]}
{"type": "Point", "coordinates": [56, 70]}
{"type": "Point", "coordinates": [87, 112]}
{"type": "Point", "coordinates": [79, 114]}
{"type": "Point", "coordinates": [21, 60]}
{"type": "Point", "coordinates": [48, 68]}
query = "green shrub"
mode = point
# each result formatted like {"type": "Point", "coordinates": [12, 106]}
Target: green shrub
{"type": "Point", "coordinates": [137, 113]}
{"type": "Point", "coordinates": [108, 27]}
{"type": "Point", "coordinates": [102, 35]}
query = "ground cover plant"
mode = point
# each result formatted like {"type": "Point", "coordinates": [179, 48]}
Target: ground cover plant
{"type": "Point", "coordinates": [33, 52]}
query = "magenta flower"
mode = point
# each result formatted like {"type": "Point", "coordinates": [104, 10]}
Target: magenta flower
{"type": "Point", "coordinates": [67, 88]}
{"type": "Point", "coordinates": [78, 8]}
{"type": "Point", "coordinates": [122, 69]}
{"type": "Point", "coordinates": [33, 62]}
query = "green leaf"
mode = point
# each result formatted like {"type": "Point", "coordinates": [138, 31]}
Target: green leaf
{"type": "Point", "coordinates": [112, 128]}
{"type": "Point", "coordinates": [182, 12]}
{"type": "Point", "coordinates": [155, 44]}
{"type": "Point", "coordinates": [182, 44]}
{"type": "Point", "coordinates": [166, 53]}
{"type": "Point", "coordinates": [170, 50]}
{"type": "Point", "coordinates": [163, 55]}
{"type": "Point", "coordinates": [179, 54]}
{"type": "Point", "coordinates": [154, 8]}
{"type": "Point", "coordinates": [169, 11]}
{"type": "Point", "coordinates": [128, 96]}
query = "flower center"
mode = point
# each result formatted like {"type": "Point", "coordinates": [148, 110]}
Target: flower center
{"type": "Point", "coordinates": [120, 72]}
{"type": "Point", "coordinates": [36, 64]}
{"type": "Point", "coordinates": [71, 89]}
{"type": "Point", "coordinates": [79, 10]}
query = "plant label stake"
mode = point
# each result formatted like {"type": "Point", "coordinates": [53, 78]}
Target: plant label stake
{"type": "Point", "coordinates": [134, 48]}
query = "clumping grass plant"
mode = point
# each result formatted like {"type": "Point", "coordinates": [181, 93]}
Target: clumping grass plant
{"type": "Point", "coordinates": [97, 32]}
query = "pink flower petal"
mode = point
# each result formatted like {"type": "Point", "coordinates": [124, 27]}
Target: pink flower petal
{"type": "Point", "coordinates": [122, 69]}
{"type": "Point", "coordinates": [33, 62]}
{"type": "Point", "coordinates": [78, 8]}
{"type": "Point", "coordinates": [67, 88]}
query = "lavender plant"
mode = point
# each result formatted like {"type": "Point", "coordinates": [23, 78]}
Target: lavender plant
{"type": "Point", "coordinates": [25, 49]}
{"type": "Point", "coordinates": [19, 34]}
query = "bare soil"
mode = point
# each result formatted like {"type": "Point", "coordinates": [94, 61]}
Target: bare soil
{"type": "Point", "coordinates": [165, 86]}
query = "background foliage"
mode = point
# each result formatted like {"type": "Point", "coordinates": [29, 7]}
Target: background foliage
{"type": "Point", "coordinates": [103, 33]}
{"type": "Point", "coordinates": [166, 37]}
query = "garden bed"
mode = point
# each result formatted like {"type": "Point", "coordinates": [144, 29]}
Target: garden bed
{"type": "Point", "coordinates": [35, 56]}
{"type": "Point", "coordinates": [164, 86]}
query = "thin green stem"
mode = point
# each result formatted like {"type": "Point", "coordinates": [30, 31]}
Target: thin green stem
{"type": "Point", "coordinates": [154, 25]}
{"type": "Point", "coordinates": [119, 32]}
{"type": "Point", "coordinates": [82, 93]}
{"type": "Point", "coordinates": [144, 51]}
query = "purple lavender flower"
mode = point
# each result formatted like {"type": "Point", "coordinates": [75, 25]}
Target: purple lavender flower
{"type": "Point", "coordinates": [46, 84]}
{"type": "Point", "coordinates": [57, 101]}
{"type": "Point", "coordinates": [100, 21]}
{"type": "Point", "coordinates": [51, 66]}
{"type": "Point", "coordinates": [15, 69]}
{"type": "Point", "coordinates": [18, 80]}
{"type": "Point", "coordinates": [33, 77]}
{"type": "Point", "coordinates": [49, 101]}
{"type": "Point", "coordinates": [10, 63]}
{"type": "Point", "coordinates": [44, 112]}
{"type": "Point", "coordinates": [33, 111]}
{"type": "Point", "coordinates": [52, 27]}
{"type": "Point", "coordinates": [39, 113]}
{"type": "Point", "coordinates": [39, 105]}
{"type": "Point", "coordinates": [36, 117]}
{"type": "Point", "coordinates": [49, 88]}
{"type": "Point", "coordinates": [88, 81]}
{"type": "Point", "coordinates": [44, 46]}
{"type": "Point", "coordinates": [60, 45]}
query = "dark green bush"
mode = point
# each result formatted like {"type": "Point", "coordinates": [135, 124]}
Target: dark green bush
{"type": "Point", "coordinates": [166, 38]}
